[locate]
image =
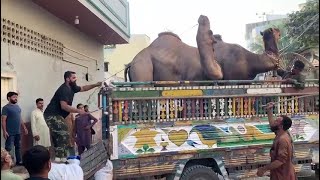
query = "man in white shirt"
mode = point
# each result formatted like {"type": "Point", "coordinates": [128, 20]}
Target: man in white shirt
{"type": "Point", "coordinates": [39, 127]}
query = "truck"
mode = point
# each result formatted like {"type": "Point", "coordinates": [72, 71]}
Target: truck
{"type": "Point", "coordinates": [201, 129]}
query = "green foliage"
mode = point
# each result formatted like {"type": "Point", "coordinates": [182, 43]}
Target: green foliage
{"type": "Point", "coordinates": [303, 26]}
{"type": "Point", "coordinates": [257, 46]}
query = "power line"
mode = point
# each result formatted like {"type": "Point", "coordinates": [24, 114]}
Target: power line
{"type": "Point", "coordinates": [301, 24]}
{"type": "Point", "coordinates": [315, 20]}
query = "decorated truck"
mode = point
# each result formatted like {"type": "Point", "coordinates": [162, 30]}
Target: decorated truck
{"type": "Point", "coordinates": [207, 130]}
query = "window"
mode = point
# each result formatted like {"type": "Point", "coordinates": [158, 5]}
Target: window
{"type": "Point", "coordinates": [8, 83]}
{"type": "Point", "coordinates": [106, 66]}
{"type": "Point", "coordinates": [6, 86]}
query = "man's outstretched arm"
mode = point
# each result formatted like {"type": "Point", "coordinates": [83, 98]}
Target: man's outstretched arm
{"type": "Point", "coordinates": [91, 86]}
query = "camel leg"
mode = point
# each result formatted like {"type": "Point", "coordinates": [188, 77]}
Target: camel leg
{"type": "Point", "coordinates": [205, 42]}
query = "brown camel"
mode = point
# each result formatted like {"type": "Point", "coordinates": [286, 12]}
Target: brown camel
{"type": "Point", "coordinates": [167, 58]}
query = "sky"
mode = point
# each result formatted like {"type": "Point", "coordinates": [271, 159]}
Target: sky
{"type": "Point", "coordinates": [227, 17]}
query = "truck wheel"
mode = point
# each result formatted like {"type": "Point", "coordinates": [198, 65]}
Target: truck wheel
{"type": "Point", "coordinates": [199, 172]}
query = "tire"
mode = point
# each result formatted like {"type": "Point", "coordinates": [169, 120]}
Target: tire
{"type": "Point", "coordinates": [199, 172]}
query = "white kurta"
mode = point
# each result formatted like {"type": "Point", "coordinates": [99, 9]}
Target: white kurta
{"type": "Point", "coordinates": [39, 127]}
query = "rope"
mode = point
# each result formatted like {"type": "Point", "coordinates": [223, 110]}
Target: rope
{"type": "Point", "coordinates": [188, 29]}
{"type": "Point", "coordinates": [308, 95]}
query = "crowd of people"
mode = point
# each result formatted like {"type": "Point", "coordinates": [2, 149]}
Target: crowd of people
{"type": "Point", "coordinates": [55, 128]}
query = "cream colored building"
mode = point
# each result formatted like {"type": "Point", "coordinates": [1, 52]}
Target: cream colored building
{"type": "Point", "coordinates": [120, 55]}
{"type": "Point", "coordinates": [41, 39]}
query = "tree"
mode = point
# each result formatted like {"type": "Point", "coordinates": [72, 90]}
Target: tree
{"type": "Point", "coordinates": [257, 46]}
{"type": "Point", "coordinates": [303, 27]}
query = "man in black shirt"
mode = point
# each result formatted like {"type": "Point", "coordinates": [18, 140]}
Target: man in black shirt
{"type": "Point", "coordinates": [59, 108]}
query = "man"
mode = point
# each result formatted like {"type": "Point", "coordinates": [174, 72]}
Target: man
{"type": "Point", "coordinates": [70, 170]}
{"type": "Point", "coordinates": [37, 161]}
{"type": "Point", "coordinates": [86, 109]}
{"type": "Point", "coordinates": [6, 164]}
{"type": "Point", "coordinates": [281, 166]}
{"type": "Point", "coordinates": [59, 108]}
{"type": "Point", "coordinates": [39, 127]}
{"type": "Point", "coordinates": [11, 125]}
{"type": "Point", "coordinates": [83, 127]}
{"type": "Point", "coordinates": [71, 146]}
{"type": "Point", "coordinates": [294, 76]}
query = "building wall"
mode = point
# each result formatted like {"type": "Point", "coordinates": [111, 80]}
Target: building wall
{"type": "Point", "coordinates": [124, 53]}
{"type": "Point", "coordinates": [37, 75]}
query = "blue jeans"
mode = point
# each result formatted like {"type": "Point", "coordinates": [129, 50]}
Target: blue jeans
{"type": "Point", "coordinates": [16, 141]}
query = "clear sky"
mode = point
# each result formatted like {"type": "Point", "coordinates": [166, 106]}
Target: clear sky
{"type": "Point", "coordinates": [227, 17]}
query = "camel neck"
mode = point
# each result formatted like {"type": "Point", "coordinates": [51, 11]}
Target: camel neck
{"type": "Point", "coordinates": [262, 63]}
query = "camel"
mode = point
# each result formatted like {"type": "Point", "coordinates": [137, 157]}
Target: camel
{"type": "Point", "coordinates": [167, 58]}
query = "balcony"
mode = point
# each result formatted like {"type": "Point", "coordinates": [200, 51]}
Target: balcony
{"type": "Point", "coordinates": [107, 21]}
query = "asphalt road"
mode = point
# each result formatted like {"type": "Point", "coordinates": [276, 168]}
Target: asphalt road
{"type": "Point", "coordinates": [314, 176]}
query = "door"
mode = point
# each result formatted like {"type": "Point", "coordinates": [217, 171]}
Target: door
{"type": "Point", "coordinates": [7, 84]}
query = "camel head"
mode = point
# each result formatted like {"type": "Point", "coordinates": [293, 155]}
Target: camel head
{"type": "Point", "coordinates": [217, 37]}
{"type": "Point", "coordinates": [271, 37]}
{"type": "Point", "coordinates": [203, 20]}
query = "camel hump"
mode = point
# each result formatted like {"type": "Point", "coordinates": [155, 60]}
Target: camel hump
{"type": "Point", "coordinates": [170, 34]}
{"type": "Point", "coordinates": [217, 37]}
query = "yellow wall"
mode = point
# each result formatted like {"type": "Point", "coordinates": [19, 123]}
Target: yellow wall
{"type": "Point", "coordinates": [124, 53]}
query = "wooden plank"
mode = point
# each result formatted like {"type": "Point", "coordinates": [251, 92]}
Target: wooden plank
{"type": "Point", "coordinates": [93, 159]}
{"type": "Point", "coordinates": [305, 90]}
{"type": "Point", "coordinates": [185, 93]}
{"type": "Point", "coordinates": [126, 94]}
{"type": "Point", "coordinates": [216, 92]}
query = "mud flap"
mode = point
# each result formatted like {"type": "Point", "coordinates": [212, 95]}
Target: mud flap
{"type": "Point", "coordinates": [219, 163]}
{"type": "Point", "coordinates": [222, 168]}
{"type": "Point", "coordinates": [179, 170]}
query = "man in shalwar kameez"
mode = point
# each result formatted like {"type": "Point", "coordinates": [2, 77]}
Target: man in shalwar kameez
{"type": "Point", "coordinates": [39, 127]}
{"type": "Point", "coordinates": [281, 152]}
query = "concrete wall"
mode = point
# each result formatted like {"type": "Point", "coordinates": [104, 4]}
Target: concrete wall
{"type": "Point", "coordinates": [124, 53]}
{"type": "Point", "coordinates": [39, 75]}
